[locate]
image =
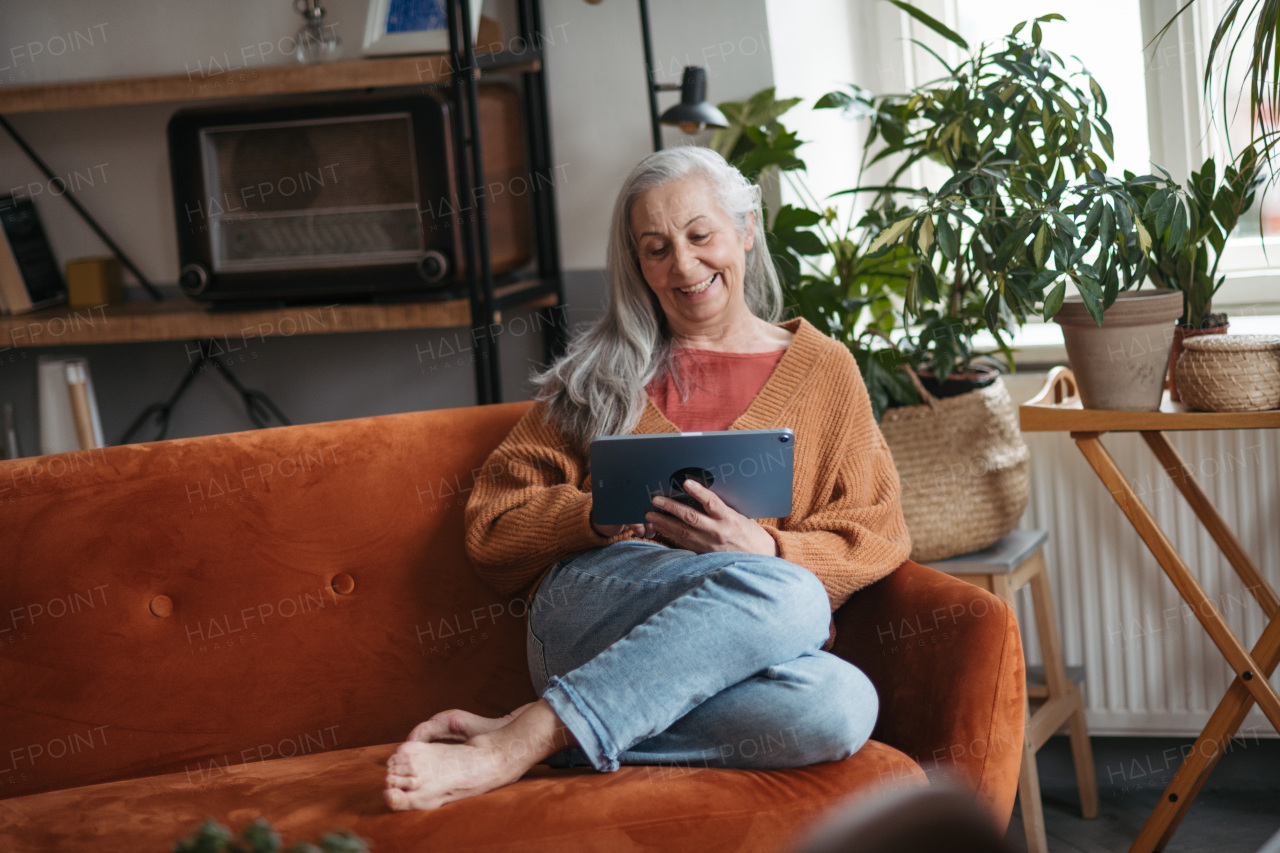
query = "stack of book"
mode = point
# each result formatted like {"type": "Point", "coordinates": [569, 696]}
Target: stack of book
{"type": "Point", "coordinates": [68, 407]}
{"type": "Point", "coordinates": [29, 274]}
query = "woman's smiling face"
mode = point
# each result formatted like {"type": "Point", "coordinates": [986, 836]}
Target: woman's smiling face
{"type": "Point", "coordinates": [691, 255]}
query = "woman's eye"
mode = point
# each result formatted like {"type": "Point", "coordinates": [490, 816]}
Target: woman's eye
{"type": "Point", "coordinates": [700, 238]}
{"type": "Point", "coordinates": [656, 251]}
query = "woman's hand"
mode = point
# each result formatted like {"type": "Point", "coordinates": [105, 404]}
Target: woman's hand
{"type": "Point", "coordinates": [720, 528]}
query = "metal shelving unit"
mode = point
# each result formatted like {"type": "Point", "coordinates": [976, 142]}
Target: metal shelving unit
{"type": "Point", "coordinates": [540, 286]}
{"type": "Point", "coordinates": [485, 304]}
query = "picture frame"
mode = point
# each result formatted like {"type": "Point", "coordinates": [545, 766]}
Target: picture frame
{"type": "Point", "coordinates": [411, 26]}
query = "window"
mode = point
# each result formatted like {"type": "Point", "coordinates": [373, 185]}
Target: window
{"type": "Point", "coordinates": [1186, 128]}
{"type": "Point", "coordinates": [1165, 121]}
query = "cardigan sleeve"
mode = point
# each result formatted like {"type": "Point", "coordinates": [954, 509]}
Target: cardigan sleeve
{"type": "Point", "coordinates": [531, 508]}
{"type": "Point", "coordinates": [853, 532]}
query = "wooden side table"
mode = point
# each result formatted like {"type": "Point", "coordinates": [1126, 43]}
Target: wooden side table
{"type": "Point", "coordinates": [1058, 409]}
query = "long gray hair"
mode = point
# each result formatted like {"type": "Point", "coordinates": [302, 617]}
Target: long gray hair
{"type": "Point", "coordinates": [598, 386]}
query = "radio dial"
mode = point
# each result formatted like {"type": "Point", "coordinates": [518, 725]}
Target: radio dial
{"type": "Point", "coordinates": [194, 279]}
{"type": "Point", "coordinates": [433, 266]}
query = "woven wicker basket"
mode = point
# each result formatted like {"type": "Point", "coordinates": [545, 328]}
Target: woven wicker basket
{"type": "Point", "coordinates": [963, 467]}
{"type": "Point", "coordinates": [1231, 373]}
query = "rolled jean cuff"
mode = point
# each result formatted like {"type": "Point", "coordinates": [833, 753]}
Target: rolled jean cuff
{"type": "Point", "coordinates": [568, 706]}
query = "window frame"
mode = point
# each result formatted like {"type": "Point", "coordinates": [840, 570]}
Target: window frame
{"type": "Point", "coordinates": [1183, 133]}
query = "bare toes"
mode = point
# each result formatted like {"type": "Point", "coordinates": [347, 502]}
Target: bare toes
{"type": "Point", "coordinates": [403, 782]}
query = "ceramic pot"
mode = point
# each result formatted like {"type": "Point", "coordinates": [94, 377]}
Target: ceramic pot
{"type": "Point", "coordinates": [1179, 334]}
{"type": "Point", "coordinates": [1121, 365]}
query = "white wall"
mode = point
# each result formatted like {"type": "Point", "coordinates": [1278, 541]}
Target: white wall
{"type": "Point", "coordinates": [599, 129]}
{"type": "Point", "coordinates": [811, 57]}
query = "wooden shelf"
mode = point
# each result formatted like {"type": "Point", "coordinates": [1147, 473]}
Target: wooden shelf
{"type": "Point", "coordinates": [1071, 417]}
{"type": "Point", "coordinates": [184, 320]}
{"type": "Point", "coordinates": [248, 81]}
{"type": "Point", "coordinates": [181, 319]}
{"type": "Point", "coordinates": [1058, 408]}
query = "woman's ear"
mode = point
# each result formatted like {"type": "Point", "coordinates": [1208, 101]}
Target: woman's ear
{"type": "Point", "coordinates": [751, 231]}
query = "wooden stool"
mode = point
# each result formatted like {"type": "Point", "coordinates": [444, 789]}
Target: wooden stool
{"type": "Point", "coordinates": [1004, 568]}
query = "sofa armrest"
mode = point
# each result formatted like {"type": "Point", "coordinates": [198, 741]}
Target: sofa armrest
{"type": "Point", "coordinates": [946, 659]}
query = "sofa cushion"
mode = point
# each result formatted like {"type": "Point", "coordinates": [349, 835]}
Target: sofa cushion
{"type": "Point", "coordinates": [636, 808]}
{"type": "Point", "coordinates": [269, 593]}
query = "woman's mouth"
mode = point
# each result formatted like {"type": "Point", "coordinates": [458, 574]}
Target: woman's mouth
{"type": "Point", "coordinates": [699, 287]}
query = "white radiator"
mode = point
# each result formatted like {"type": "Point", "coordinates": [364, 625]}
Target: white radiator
{"type": "Point", "coordinates": [1150, 667]}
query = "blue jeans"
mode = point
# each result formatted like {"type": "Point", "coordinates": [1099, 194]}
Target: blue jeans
{"type": "Point", "coordinates": [653, 655]}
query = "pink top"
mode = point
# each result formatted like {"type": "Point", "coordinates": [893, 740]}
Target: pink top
{"type": "Point", "coordinates": [721, 386]}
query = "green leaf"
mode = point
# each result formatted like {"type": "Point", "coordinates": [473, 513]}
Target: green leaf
{"type": "Point", "coordinates": [890, 235]}
{"type": "Point", "coordinates": [1124, 220]}
{"type": "Point", "coordinates": [1111, 286]}
{"type": "Point", "coordinates": [1217, 239]}
{"type": "Point", "coordinates": [1106, 228]}
{"type": "Point", "coordinates": [932, 23]}
{"type": "Point", "coordinates": [1095, 214]}
{"type": "Point", "coordinates": [924, 240]}
{"type": "Point", "coordinates": [926, 282]}
{"type": "Point", "coordinates": [1167, 208]}
{"type": "Point", "coordinates": [1154, 203]}
{"type": "Point", "coordinates": [789, 217]}
{"type": "Point", "coordinates": [1202, 184]}
{"type": "Point", "coordinates": [1098, 96]}
{"type": "Point", "coordinates": [804, 243]}
{"type": "Point", "coordinates": [1090, 294]}
{"type": "Point", "coordinates": [1144, 239]}
{"type": "Point", "coordinates": [1053, 302]}
{"type": "Point", "coordinates": [1041, 245]}
{"type": "Point", "coordinates": [947, 239]}
{"type": "Point", "coordinates": [1105, 137]}
{"type": "Point", "coordinates": [834, 101]}
{"type": "Point", "coordinates": [1178, 229]}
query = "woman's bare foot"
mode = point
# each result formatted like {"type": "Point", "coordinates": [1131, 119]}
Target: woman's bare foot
{"type": "Point", "coordinates": [459, 726]}
{"type": "Point", "coordinates": [465, 761]}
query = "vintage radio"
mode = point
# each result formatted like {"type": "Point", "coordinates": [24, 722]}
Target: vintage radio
{"type": "Point", "coordinates": [341, 197]}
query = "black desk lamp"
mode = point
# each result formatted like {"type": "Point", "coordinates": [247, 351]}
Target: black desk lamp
{"type": "Point", "coordinates": [693, 112]}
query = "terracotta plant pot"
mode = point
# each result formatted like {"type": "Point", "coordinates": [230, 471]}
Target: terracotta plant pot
{"type": "Point", "coordinates": [1180, 333]}
{"type": "Point", "coordinates": [1121, 365]}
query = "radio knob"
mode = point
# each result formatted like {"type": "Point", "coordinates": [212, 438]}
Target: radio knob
{"type": "Point", "coordinates": [193, 279]}
{"type": "Point", "coordinates": [433, 266]}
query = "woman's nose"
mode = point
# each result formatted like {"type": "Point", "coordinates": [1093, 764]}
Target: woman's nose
{"type": "Point", "coordinates": [684, 258]}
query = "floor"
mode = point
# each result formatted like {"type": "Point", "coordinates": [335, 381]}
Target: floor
{"type": "Point", "coordinates": [1237, 811]}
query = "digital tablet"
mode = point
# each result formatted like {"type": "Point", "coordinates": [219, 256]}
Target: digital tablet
{"type": "Point", "coordinates": [750, 470]}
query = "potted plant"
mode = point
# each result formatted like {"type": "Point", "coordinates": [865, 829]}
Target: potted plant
{"type": "Point", "coordinates": [833, 278]}
{"type": "Point", "coordinates": [1022, 207]}
{"type": "Point", "coordinates": [1189, 226]}
{"type": "Point", "coordinates": [1025, 209]}
{"type": "Point", "coordinates": [873, 276]}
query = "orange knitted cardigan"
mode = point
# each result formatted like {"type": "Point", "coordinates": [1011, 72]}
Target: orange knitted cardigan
{"type": "Point", "coordinates": [846, 523]}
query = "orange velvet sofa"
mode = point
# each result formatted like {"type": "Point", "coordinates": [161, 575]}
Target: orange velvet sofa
{"type": "Point", "coordinates": [245, 625]}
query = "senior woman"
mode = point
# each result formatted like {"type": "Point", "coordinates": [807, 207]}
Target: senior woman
{"type": "Point", "coordinates": [695, 638]}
